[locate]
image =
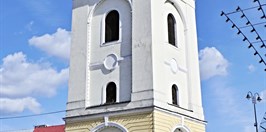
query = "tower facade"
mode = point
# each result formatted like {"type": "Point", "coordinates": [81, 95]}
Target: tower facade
{"type": "Point", "coordinates": [134, 67]}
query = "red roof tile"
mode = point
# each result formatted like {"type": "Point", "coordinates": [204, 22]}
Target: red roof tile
{"type": "Point", "coordinates": [59, 128]}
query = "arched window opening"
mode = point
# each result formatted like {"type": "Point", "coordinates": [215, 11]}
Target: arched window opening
{"type": "Point", "coordinates": [178, 130]}
{"type": "Point", "coordinates": [171, 29]}
{"type": "Point", "coordinates": [175, 95]}
{"type": "Point", "coordinates": [181, 128]}
{"type": "Point", "coordinates": [111, 93]}
{"type": "Point", "coordinates": [110, 129]}
{"type": "Point", "coordinates": [112, 26]}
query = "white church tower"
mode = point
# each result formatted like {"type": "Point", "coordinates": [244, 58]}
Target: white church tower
{"type": "Point", "coordinates": [134, 67]}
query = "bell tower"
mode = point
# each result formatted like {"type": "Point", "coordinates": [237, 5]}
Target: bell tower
{"type": "Point", "coordinates": [134, 67]}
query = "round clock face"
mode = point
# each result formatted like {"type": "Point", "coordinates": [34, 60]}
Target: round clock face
{"type": "Point", "coordinates": [110, 62]}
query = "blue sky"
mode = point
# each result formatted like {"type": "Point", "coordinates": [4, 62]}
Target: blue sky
{"type": "Point", "coordinates": [34, 61]}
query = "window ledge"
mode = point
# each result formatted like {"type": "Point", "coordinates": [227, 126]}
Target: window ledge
{"type": "Point", "coordinates": [173, 46]}
{"type": "Point", "coordinates": [110, 43]}
{"type": "Point", "coordinates": [107, 104]}
{"type": "Point", "coordinates": [180, 107]}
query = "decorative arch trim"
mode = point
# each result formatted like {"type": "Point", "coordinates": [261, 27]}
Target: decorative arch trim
{"type": "Point", "coordinates": [182, 127]}
{"type": "Point", "coordinates": [109, 124]}
{"type": "Point", "coordinates": [178, 8]}
{"type": "Point", "coordinates": [99, 3]}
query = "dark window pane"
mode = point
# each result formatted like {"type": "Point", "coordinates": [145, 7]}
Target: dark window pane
{"type": "Point", "coordinates": [111, 93]}
{"type": "Point", "coordinates": [112, 26]}
{"type": "Point", "coordinates": [174, 95]}
{"type": "Point", "coordinates": [171, 29]}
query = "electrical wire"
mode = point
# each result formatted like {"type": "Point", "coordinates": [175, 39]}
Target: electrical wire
{"type": "Point", "coordinates": [253, 27]}
{"type": "Point", "coordinates": [261, 9]}
{"type": "Point", "coordinates": [246, 9]}
{"type": "Point", "coordinates": [256, 24]}
{"type": "Point", "coordinates": [25, 116]}
{"type": "Point", "coordinates": [249, 24]}
{"type": "Point", "coordinates": [18, 130]}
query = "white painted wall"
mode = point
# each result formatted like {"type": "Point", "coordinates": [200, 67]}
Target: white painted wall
{"type": "Point", "coordinates": [186, 56]}
{"type": "Point", "coordinates": [164, 78]}
{"type": "Point", "coordinates": [144, 76]}
{"type": "Point", "coordinates": [99, 50]}
{"type": "Point", "coordinates": [78, 56]}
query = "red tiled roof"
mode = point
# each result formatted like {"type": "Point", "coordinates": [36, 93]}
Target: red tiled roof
{"type": "Point", "coordinates": [59, 128]}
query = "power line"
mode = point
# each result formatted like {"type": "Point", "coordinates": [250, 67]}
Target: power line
{"type": "Point", "coordinates": [261, 9]}
{"type": "Point", "coordinates": [258, 37]}
{"type": "Point", "coordinates": [233, 12]}
{"type": "Point", "coordinates": [18, 130]}
{"type": "Point", "coordinates": [25, 116]}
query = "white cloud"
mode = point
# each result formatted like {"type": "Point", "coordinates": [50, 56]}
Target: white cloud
{"type": "Point", "coordinates": [263, 96]}
{"type": "Point", "coordinates": [226, 100]}
{"type": "Point", "coordinates": [251, 68]}
{"type": "Point", "coordinates": [248, 128]}
{"type": "Point", "coordinates": [212, 63]}
{"type": "Point", "coordinates": [29, 26]}
{"type": "Point", "coordinates": [21, 78]}
{"type": "Point", "coordinates": [19, 105]}
{"type": "Point", "coordinates": [57, 44]}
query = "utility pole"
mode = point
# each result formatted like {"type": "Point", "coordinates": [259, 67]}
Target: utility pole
{"type": "Point", "coordinates": [255, 98]}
